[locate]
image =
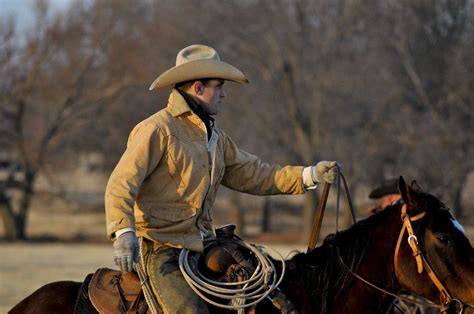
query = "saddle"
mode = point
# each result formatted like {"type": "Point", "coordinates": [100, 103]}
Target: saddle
{"type": "Point", "coordinates": [112, 291]}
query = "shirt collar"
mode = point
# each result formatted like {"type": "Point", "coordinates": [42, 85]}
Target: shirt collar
{"type": "Point", "coordinates": [177, 105]}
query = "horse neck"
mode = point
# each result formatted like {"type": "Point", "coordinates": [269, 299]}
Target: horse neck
{"type": "Point", "coordinates": [377, 264]}
{"type": "Point", "coordinates": [367, 248]}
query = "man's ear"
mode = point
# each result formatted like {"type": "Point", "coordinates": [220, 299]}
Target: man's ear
{"type": "Point", "coordinates": [198, 88]}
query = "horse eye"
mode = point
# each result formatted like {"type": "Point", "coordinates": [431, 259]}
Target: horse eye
{"type": "Point", "coordinates": [444, 238]}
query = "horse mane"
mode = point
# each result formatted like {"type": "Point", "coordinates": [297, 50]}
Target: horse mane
{"type": "Point", "coordinates": [320, 270]}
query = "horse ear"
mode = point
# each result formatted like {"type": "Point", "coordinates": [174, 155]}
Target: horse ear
{"type": "Point", "coordinates": [416, 186]}
{"type": "Point", "coordinates": [402, 186]}
{"type": "Point", "coordinates": [405, 191]}
{"type": "Point", "coordinates": [409, 193]}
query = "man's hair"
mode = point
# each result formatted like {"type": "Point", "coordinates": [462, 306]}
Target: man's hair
{"type": "Point", "coordinates": [184, 86]}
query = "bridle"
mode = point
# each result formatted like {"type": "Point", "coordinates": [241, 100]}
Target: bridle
{"type": "Point", "coordinates": [447, 301]}
{"type": "Point", "coordinates": [420, 258]}
{"type": "Point", "coordinates": [421, 261]}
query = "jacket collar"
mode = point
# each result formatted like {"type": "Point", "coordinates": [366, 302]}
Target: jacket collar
{"type": "Point", "coordinates": [177, 105]}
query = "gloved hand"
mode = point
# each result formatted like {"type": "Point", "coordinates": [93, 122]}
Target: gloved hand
{"type": "Point", "coordinates": [126, 251]}
{"type": "Point", "coordinates": [325, 171]}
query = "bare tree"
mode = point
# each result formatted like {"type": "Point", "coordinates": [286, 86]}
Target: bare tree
{"type": "Point", "coordinates": [429, 60]}
{"type": "Point", "coordinates": [294, 52]}
{"type": "Point", "coordinates": [385, 87]}
{"type": "Point", "coordinates": [60, 81]}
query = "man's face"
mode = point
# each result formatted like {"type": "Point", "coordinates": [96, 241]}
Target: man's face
{"type": "Point", "coordinates": [211, 96]}
{"type": "Point", "coordinates": [389, 200]}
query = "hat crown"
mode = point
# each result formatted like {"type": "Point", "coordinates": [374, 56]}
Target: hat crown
{"type": "Point", "coordinates": [196, 52]}
{"type": "Point", "coordinates": [198, 62]}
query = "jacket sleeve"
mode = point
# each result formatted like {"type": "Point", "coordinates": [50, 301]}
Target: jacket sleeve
{"type": "Point", "coordinates": [144, 151]}
{"type": "Point", "coordinates": [245, 172]}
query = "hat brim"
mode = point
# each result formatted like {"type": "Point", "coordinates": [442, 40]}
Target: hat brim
{"type": "Point", "coordinates": [198, 69]}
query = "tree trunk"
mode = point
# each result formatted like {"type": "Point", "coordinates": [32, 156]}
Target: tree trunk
{"type": "Point", "coordinates": [15, 223]}
{"type": "Point", "coordinates": [25, 203]}
{"type": "Point", "coordinates": [266, 222]}
{"type": "Point", "coordinates": [237, 215]}
{"type": "Point", "coordinates": [9, 220]}
{"type": "Point", "coordinates": [21, 226]}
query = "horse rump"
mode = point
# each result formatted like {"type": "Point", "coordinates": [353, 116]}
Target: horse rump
{"type": "Point", "coordinates": [54, 297]}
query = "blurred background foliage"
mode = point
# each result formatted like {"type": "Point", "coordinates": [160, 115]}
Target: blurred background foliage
{"type": "Point", "coordinates": [386, 87]}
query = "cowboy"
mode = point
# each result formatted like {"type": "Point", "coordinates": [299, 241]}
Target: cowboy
{"type": "Point", "coordinates": [386, 194]}
{"type": "Point", "coordinates": [164, 186]}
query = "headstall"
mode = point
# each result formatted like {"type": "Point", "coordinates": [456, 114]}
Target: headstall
{"type": "Point", "coordinates": [422, 262]}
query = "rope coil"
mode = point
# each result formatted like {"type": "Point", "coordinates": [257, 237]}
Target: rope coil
{"type": "Point", "coordinates": [261, 283]}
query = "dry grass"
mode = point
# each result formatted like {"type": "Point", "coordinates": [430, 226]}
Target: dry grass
{"type": "Point", "coordinates": [69, 241]}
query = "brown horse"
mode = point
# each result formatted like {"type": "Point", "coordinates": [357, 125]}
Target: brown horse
{"type": "Point", "coordinates": [330, 278]}
{"type": "Point", "coordinates": [324, 280]}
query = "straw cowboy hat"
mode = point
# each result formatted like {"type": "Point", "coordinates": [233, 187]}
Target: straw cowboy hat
{"type": "Point", "coordinates": [198, 62]}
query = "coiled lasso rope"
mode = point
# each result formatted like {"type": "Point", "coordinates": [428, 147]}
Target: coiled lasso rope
{"type": "Point", "coordinates": [253, 290]}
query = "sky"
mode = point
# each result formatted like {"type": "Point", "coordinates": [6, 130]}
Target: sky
{"type": "Point", "coordinates": [21, 10]}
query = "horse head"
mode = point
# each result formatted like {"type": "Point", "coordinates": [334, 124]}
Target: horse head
{"type": "Point", "coordinates": [439, 244]}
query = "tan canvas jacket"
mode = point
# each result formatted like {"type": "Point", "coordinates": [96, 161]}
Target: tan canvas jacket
{"type": "Point", "coordinates": [166, 182]}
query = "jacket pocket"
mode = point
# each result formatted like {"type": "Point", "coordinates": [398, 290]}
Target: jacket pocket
{"type": "Point", "coordinates": [181, 158]}
{"type": "Point", "coordinates": [165, 215]}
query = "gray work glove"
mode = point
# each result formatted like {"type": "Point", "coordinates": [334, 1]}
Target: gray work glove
{"type": "Point", "coordinates": [325, 171]}
{"type": "Point", "coordinates": [126, 251]}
